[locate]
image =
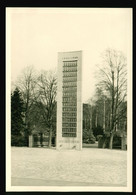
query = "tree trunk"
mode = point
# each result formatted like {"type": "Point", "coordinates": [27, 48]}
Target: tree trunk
{"type": "Point", "coordinates": [104, 143]}
{"type": "Point", "coordinates": [50, 137]}
{"type": "Point", "coordinates": [104, 117]}
{"type": "Point", "coordinates": [96, 121]}
{"type": "Point", "coordinates": [111, 141]}
{"type": "Point", "coordinates": [122, 143]}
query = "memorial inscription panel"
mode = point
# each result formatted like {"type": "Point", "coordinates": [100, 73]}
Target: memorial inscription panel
{"type": "Point", "coordinates": [69, 103]}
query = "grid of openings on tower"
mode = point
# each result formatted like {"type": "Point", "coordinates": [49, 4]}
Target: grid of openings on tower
{"type": "Point", "coordinates": [69, 103]}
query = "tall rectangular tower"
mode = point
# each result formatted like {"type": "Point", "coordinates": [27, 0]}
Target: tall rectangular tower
{"type": "Point", "coordinates": [69, 103]}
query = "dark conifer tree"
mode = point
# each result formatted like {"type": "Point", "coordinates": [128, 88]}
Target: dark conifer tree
{"type": "Point", "coordinates": [17, 124]}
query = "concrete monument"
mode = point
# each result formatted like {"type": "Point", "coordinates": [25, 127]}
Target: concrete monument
{"type": "Point", "coordinates": [69, 103]}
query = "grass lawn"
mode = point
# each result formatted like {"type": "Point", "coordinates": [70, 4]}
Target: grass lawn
{"type": "Point", "coordinates": [49, 167]}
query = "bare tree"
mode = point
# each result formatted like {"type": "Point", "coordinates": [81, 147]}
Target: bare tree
{"type": "Point", "coordinates": [98, 104]}
{"type": "Point", "coordinates": [113, 80]}
{"type": "Point", "coordinates": [27, 84]}
{"type": "Point", "coordinates": [47, 84]}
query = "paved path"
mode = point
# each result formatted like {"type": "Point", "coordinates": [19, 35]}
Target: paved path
{"type": "Point", "coordinates": [89, 167]}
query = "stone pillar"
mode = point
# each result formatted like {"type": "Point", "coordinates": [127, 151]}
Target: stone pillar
{"type": "Point", "coordinates": [30, 141]}
{"type": "Point", "coordinates": [123, 143]}
{"type": "Point", "coordinates": [38, 141]}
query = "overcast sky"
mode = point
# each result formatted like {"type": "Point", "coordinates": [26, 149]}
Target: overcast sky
{"type": "Point", "coordinates": [36, 35]}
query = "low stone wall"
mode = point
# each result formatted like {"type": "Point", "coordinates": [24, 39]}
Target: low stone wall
{"type": "Point", "coordinates": [35, 141]}
{"type": "Point", "coordinates": [122, 145]}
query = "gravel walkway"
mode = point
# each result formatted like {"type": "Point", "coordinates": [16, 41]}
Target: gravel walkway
{"type": "Point", "coordinates": [94, 167]}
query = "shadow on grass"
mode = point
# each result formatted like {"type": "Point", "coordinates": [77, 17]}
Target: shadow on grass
{"type": "Point", "coordinates": [40, 182]}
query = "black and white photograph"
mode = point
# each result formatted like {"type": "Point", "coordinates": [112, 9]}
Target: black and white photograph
{"type": "Point", "coordinates": [69, 99]}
